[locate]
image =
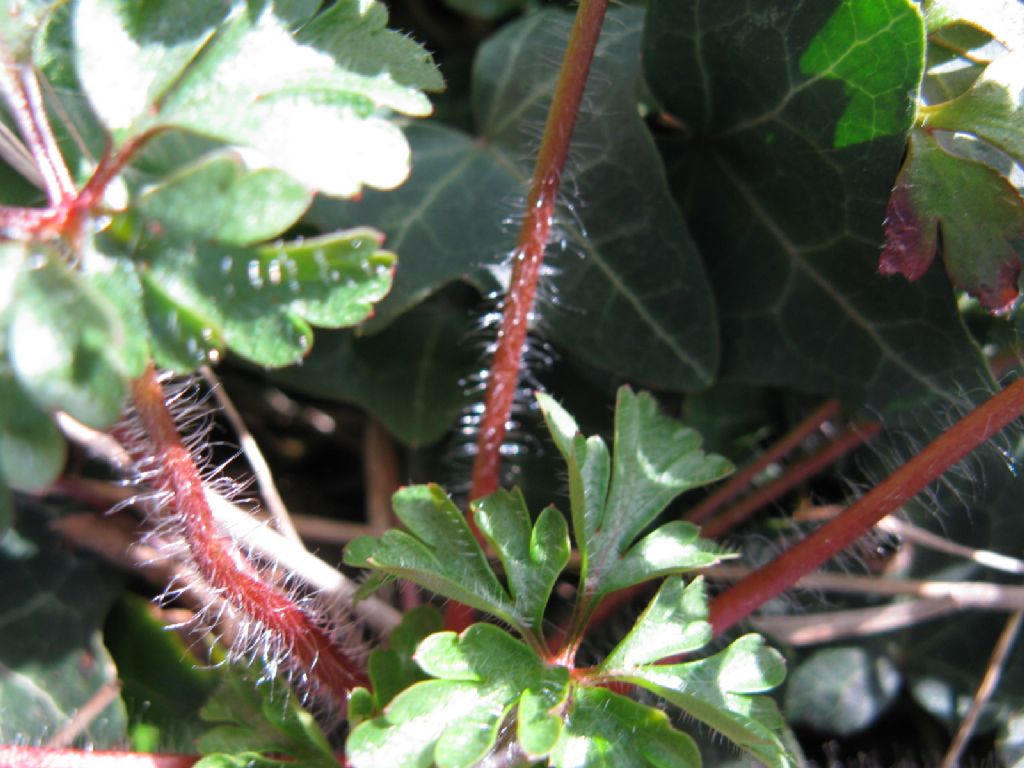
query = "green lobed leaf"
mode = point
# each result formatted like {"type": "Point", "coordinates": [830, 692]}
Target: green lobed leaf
{"type": "Point", "coordinates": [438, 552]}
{"type": "Point", "coordinates": [455, 720]}
{"type": "Point", "coordinates": [655, 459]}
{"type": "Point", "coordinates": [250, 723]}
{"type": "Point", "coordinates": [69, 344]}
{"type": "Point", "coordinates": [606, 730]}
{"type": "Point", "coordinates": [220, 198]}
{"type": "Point", "coordinates": [589, 471]}
{"type": "Point", "coordinates": [841, 690]}
{"type": "Point", "coordinates": [956, 57]}
{"type": "Point", "coordinates": [717, 691]}
{"type": "Point", "coordinates": [976, 211]}
{"type": "Point", "coordinates": [52, 607]}
{"type": "Point", "coordinates": [261, 300]}
{"type": "Point", "coordinates": [410, 376]}
{"type": "Point", "coordinates": [313, 105]}
{"type": "Point", "coordinates": [444, 222]}
{"type": "Point", "coordinates": [992, 109]}
{"type": "Point", "coordinates": [784, 177]}
{"type": "Point", "coordinates": [674, 622]}
{"type": "Point", "coordinates": [533, 557]}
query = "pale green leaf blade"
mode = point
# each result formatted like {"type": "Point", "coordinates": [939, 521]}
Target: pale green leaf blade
{"type": "Point", "coordinates": [674, 622]}
{"type": "Point", "coordinates": [533, 557]}
{"type": "Point", "coordinates": [454, 721]}
{"type": "Point", "coordinates": [656, 458]}
{"type": "Point", "coordinates": [719, 690]}
{"type": "Point", "coordinates": [314, 108]}
{"type": "Point", "coordinates": [69, 345]}
{"type": "Point", "coordinates": [606, 730]}
{"type": "Point", "coordinates": [993, 109]}
{"type": "Point", "coordinates": [220, 198]}
{"type": "Point", "coordinates": [442, 222]}
{"type": "Point", "coordinates": [589, 467]}
{"type": "Point", "coordinates": [262, 300]}
{"type": "Point", "coordinates": [672, 548]}
{"type": "Point", "coordinates": [439, 552]}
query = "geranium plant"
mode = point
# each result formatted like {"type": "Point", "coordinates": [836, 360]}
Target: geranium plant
{"type": "Point", "coordinates": [737, 207]}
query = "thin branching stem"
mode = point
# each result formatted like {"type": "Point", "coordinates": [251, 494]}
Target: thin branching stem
{"type": "Point", "coordinates": [901, 486]}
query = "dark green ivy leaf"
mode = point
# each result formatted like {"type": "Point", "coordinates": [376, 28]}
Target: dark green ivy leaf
{"type": "Point", "coordinates": [793, 121]}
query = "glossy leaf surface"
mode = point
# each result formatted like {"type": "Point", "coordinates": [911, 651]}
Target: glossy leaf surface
{"type": "Point", "coordinates": [791, 125]}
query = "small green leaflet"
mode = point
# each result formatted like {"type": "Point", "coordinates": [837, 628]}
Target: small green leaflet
{"type": "Point", "coordinates": [261, 300]}
{"type": "Point", "coordinates": [716, 690]}
{"type": "Point", "coordinates": [655, 460]}
{"type": "Point", "coordinates": [313, 105]}
{"type": "Point", "coordinates": [438, 552]}
{"type": "Point", "coordinates": [533, 557]}
{"type": "Point", "coordinates": [606, 730]}
{"type": "Point", "coordinates": [258, 726]}
{"type": "Point", "coordinates": [452, 721]}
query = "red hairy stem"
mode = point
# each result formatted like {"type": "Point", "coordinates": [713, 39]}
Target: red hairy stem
{"type": "Point", "coordinates": [25, 99]}
{"type": "Point", "coordinates": [533, 238]}
{"type": "Point", "coordinates": [225, 568]}
{"type": "Point", "coordinates": [792, 477]}
{"type": "Point", "coordinates": [42, 757]}
{"type": "Point", "coordinates": [742, 479]}
{"type": "Point", "coordinates": [901, 486]}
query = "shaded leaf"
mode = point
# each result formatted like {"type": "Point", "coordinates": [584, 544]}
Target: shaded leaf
{"type": "Point", "coordinates": [393, 669]}
{"type": "Point", "coordinates": [841, 690]}
{"type": "Point", "coordinates": [32, 450]}
{"type": "Point", "coordinates": [220, 198]}
{"type": "Point", "coordinates": [606, 730]}
{"type": "Point", "coordinates": [252, 726]}
{"type": "Point", "coordinates": [438, 552]}
{"type": "Point", "coordinates": [311, 105]}
{"type": "Point", "coordinates": [977, 212]}
{"type": "Point", "coordinates": [785, 178]}
{"type": "Point", "coordinates": [717, 691]}
{"type": "Point", "coordinates": [262, 300]}
{"type": "Point", "coordinates": [163, 683]}
{"type": "Point", "coordinates": [675, 622]}
{"type": "Point", "coordinates": [485, 9]}
{"type": "Point", "coordinates": [409, 376]}
{"type": "Point", "coordinates": [454, 721]}
{"type": "Point", "coordinates": [533, 557]}
{"type": "Point", "coordinates": [52, 607]}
